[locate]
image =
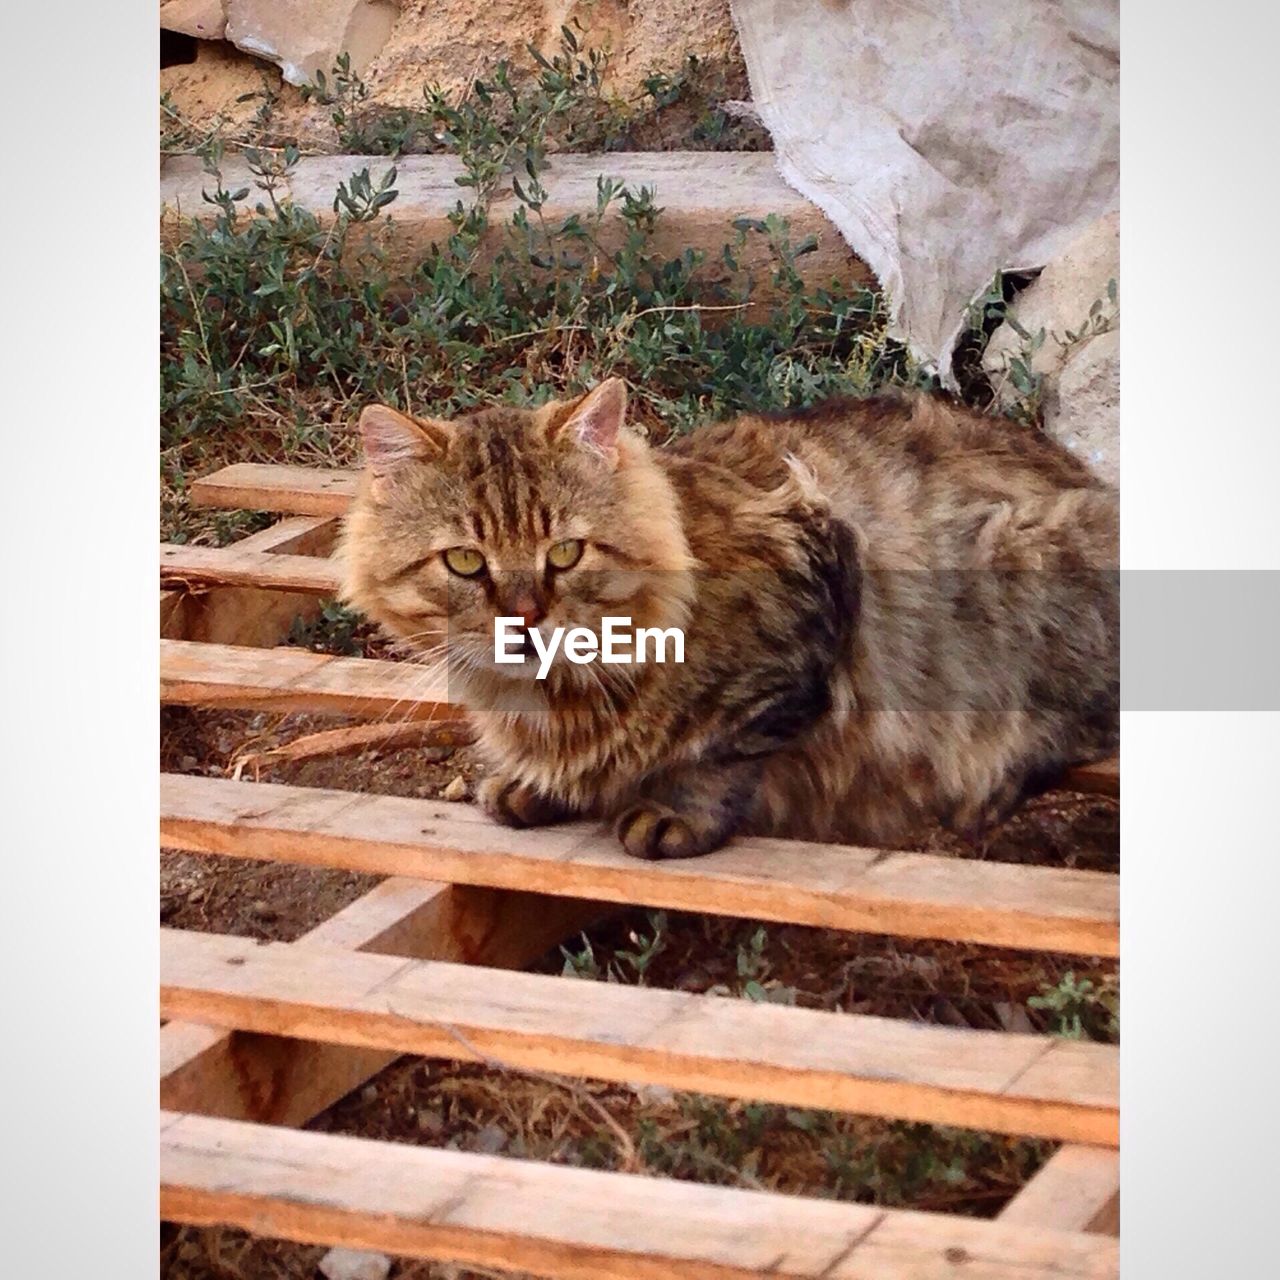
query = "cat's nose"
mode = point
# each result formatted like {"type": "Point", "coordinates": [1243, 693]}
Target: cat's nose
{"type": "Point", "coordinates": [529, 610]}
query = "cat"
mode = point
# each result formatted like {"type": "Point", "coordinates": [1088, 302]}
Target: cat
{"type": "Point", "coordinates": [896, 611]}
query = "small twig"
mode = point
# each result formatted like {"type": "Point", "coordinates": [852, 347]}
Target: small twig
{"type": "Point", "coordinates": [360, 737]}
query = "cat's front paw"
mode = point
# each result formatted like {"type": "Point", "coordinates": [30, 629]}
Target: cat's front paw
{"type": "Point", "coordinates": [649, 830]}
{"type": "Point", "coordinates": [515, 804]}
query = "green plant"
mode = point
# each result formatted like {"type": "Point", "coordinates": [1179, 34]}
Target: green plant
{"type": "Point", "coordinates": [1079, 1008]}
{"type": "Point", "coordinates": [627, 966]}
{"type": "Point", "coordinates": [882, 1163]}
{"type": "Point", "coordinates": [362, 130]}
{"type": "Point", "coordinates": [176, 133]}
{"type": "Point", "coordinates": [333, 631]}
{"type": "Point", "coordinates": [1104, 315]}
{"type": "Point", "coordinates": [754, 970]}
{"type": "Point", "coordinates": [276, 326]}
{"type": "Point", "coordinates": [992, 309]}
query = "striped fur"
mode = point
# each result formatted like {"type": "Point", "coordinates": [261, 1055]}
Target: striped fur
{"type": "Point", "coordinates": [896, 611]}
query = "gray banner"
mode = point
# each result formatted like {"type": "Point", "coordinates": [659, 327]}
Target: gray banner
{"type": "Point", "coordinates": [1200, 640]}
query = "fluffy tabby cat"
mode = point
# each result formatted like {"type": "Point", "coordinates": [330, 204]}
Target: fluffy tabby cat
{"type": "Point", "coordinates": [895, 610]}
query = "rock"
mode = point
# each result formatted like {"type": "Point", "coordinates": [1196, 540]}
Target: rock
{"type": "Point", "coordinates": [490, 1140]}
{"type": "Point", "coordinates": [449, 42]}
{"type": "Point", "coordinates": [1013, 1017]}
{"type": "Point", "coordinates": [1082, 406]}
{"type": "Point", "coordinates": [456, 790]}
{"type": "Point", "coordinates": [354, 1264]}
{"type": "Point", "coordinates": [430, 1123]}
{"type": "Point", "coordinates": [1060, 300]}
{"type": "Point", "coordinates": [654, 1094]}
{"type": "Point", "coordinates": [1079, 360]}
{"type": "Point", "coordinates": [306, 36]}
{"type": "Point", "coordinates": [204, 19]}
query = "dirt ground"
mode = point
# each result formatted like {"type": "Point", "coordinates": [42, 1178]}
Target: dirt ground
{"type": "Point", "coordinates": [645, 1129]}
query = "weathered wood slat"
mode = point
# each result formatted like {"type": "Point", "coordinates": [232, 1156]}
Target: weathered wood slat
{"type": "Point", "coordinates": [233, 566]}
{"type": "Point", "coordinates": [1077, 1190]}
{"type": "Point", "coordinates": [249, 615]}
{"type": "Point", "coordinates": [1006, 1083]}
{"type": "Point", "coordinates": [295, 536]}
{"type": "Point", "coordinates": [255, 486]}
{"type": "Point", "coordinates": [1101, 778]}
{"type": "Point", "coordinates": [173, 621]}
{"type": "Point", "coordinates": [835, 886]}
{"type": "Point", "coordinates": [249, 1076]}
{"type": "Point", "coordinates": [577, 1224]}
{"type": "Point", "coordinates": [284, 679]}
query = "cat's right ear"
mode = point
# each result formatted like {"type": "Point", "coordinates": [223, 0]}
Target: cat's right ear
{"type": "Point", "coordinates": [392, 439]}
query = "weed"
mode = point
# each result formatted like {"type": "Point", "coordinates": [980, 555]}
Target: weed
{"type": "Point", "coordinates": [1079, 1008]}
{"type": "Point", "coordinates": [693, 97]}
{"type": "Point", "coordinates": [276, 326]}
{"type": "Point", "coordinates": [753, 971]}
{"type": "Point", "coordinates": [992, 309]}
{"type": "Point", "coordinates": [335, 630]}
{"type": "Point", "coordinates": [176, 133]}
{"type": "Point", "coordinates": [889, 1163]}
{"type": "Point", "coordinates": [358, 129]}
{"type": "Point", "coordinates": [626, 966]}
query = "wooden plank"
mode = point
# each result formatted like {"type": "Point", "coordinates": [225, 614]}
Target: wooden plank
{"type": "Point", "coordinates": [1101, 778]}
{"type": "Point", "coordinates": [249, 1076]}
{"type": "Point", "coordinates": [208, 675]}
{"type": "Point", "coordinates": [988, 1080]}
{"type": "Point", "coordinates": [1078, 1189]}
{"type": "Point", "coordinates": [173, 615]}
{"type": "Point", "coordinates": [254, 486]}
{"type": "Point", "coordinates": [577, 1224]}
{"type": "Point", "coordinates": [296, 536]}
{"type": "Point", "coordinates": [835, 886]}
{"type": "Point", "coordinates": [245, 615]}
{"type": "Point", "coordinates": [188, 567]}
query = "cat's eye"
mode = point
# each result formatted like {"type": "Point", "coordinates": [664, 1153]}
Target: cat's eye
{"type": "Point", "coordinates": [463, 561]}
{"type": "Point", "coordinates": [564, 555]}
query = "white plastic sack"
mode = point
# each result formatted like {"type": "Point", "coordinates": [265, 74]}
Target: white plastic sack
{"type": "Point", "coordinates": [945, 140]}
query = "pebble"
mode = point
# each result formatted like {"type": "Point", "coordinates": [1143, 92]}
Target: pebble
{"type": "Point", "coordinates": [430, 1123]}
{"type": "Point", "coordinates": [490, 1140]}
{"type": "Point", "coordinates": [655, 1094]}
{"type": "Point", "coordinates": [456, 790]}
{"type": "Point", "coordinates": [354, 1264]}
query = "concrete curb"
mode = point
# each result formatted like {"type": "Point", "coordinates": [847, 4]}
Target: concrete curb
{"type": "Point", "coordinates": [701, 193]}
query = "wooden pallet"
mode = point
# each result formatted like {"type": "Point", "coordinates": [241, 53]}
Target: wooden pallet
{"type": "Point", "coordinates": [261, 1038]}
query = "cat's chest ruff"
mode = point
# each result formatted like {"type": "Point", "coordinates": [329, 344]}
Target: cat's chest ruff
{"type": "Point", "coordinates": [594, 743]}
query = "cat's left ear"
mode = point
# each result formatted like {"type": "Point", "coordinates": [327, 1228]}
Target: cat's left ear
{"type": "Point", "coordinates": [597, 418]}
